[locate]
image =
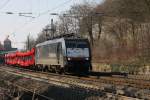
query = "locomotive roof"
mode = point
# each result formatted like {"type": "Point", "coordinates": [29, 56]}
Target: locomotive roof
{"type": "Point", "coordinates": [59, 40]}
{"type": "Point", "coordinates": [75, 39]}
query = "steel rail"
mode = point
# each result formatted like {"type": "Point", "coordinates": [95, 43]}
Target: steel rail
{"type": "Point", "coordinates": [45, 76]}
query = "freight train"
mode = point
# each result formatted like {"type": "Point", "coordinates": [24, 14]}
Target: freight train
{"type": "Point", "coordinates": [59, 55]}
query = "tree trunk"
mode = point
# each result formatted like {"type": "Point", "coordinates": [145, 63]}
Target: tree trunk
{"type": "Point", "coordinates": [148, 4]}
{"type": "Point", "coordinates": [100, 28]}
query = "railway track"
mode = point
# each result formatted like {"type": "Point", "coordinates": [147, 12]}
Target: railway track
{"type": "Point", "coordinates": [144, 84]}
{"type": "Point", "coordinates": [130, 81]}
{"type": "Point", "coordinates": [140, 77]}
{"type": "Point", "coordinates": [91, 83]}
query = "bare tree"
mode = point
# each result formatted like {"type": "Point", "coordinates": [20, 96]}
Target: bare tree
{"type": "Point", "coordinates": [122, 32]}
{"type": "Point", "coordinates": [78, 19]}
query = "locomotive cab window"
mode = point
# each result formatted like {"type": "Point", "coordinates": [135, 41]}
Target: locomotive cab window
{"type": "Point", "coordinates": [76, 44]}
{"type": "Point", "coordinates": [70, 44]}
{"type": "Point", "coordinates": [77, 49]}
{"type": "Point", "coordinates": [82, 45]}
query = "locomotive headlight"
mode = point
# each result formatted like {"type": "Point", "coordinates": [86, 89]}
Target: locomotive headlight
{"type": "Point", "coordinates": [86, 58]}
{"type": "Point", "coordinates": [69, 58]}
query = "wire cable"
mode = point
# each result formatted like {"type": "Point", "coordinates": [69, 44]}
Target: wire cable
{"type": "Point", "coordinates": [5, 4]}
{"type": "Point", "coordinates": [41, 14]}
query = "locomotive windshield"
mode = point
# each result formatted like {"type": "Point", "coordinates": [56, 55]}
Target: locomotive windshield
{"type": "Point", "coordinates": [76, 44]}
{"type": "Point", "coordinates": [77, 48]}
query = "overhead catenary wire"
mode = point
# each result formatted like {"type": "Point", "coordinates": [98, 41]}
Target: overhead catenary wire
{"type": "Point", "coordinates": [30, 13]}
{"type": "Point", "coordinates": [5, 4]}
{"type": "Point", "coordinates": [45, 12]}
{"type": "Point", "coordinates": [41, 14]}
{"type": "Point", "coordinates": [32, 18]}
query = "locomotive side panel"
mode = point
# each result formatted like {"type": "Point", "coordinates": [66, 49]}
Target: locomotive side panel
{"type": "Point", "coordinates": [49, 54]}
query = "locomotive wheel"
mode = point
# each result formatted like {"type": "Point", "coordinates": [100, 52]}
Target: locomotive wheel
{"type": "Point", "coordinates": [65, 70]}
{"type": "Point", "coordinates": [39, 68]}
{"type": "Point", "coordinates": [61, 71]}
{"type": "Point", "coordinates": [58, 69]}
{"type": "Point", "coordinates": [46, 69]}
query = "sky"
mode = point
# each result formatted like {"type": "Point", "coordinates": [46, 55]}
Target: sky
{"type": "Point", "coordinates": [18, 27]}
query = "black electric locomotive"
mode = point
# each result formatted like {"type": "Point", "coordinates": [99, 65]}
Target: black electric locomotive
{"type": "Point", "coordinates": [64, 55]}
